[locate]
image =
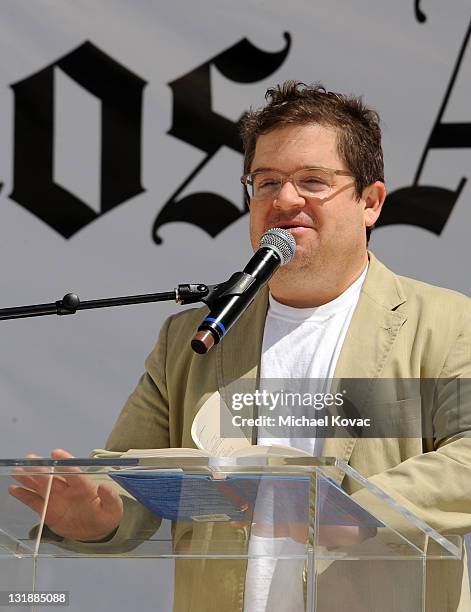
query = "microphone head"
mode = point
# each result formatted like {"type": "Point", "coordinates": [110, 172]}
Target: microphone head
{"type": "Point", "coordinates": [281, 241]}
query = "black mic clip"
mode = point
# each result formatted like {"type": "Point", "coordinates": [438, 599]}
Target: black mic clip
{"type": "Point", "coordinates": [237, 284]}
{"type": "Point", "coordinates": [190, 293]}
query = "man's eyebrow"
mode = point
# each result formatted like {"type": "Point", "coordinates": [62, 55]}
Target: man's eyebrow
{"type": "Point", "coordinates": [263, 169]}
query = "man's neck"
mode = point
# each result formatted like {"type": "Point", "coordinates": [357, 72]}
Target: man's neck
{"type": "Point", "coordinates": [324, 289]}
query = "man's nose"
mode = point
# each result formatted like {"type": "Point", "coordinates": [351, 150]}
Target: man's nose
{"type": "Point", "coordinates": [288, 197]}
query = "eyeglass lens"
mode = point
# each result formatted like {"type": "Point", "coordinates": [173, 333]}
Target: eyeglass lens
{"type": "Point", "coordinates": [313, 181]}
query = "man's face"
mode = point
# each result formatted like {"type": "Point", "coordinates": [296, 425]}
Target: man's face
{"type": "Point", "coordinates": [329, 231]}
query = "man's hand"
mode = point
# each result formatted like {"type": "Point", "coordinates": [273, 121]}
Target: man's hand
{"type": "Point", "coordinates": [78, 507]}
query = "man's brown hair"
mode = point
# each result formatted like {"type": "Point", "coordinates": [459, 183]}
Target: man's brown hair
{"type": "Point", "coordinates": [356, 125]}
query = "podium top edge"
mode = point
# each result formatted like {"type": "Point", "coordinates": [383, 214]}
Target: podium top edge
{"type": "Point", "coordinates": [156, 462]}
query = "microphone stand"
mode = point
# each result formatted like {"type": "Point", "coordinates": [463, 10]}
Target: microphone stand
{"type": "Point", "coordinates": [183, 294]}
{"type": "Point", "coordinates": [70, 303]}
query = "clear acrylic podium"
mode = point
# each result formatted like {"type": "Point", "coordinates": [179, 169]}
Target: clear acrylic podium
{"type": "Point", "coordinates": [216, 525]}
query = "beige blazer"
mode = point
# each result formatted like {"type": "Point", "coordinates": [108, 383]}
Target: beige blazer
{"type": "Point", "coordinates": [401, 328]}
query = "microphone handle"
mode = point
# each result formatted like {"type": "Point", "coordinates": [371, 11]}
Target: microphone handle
{"type": "Point", "coordinates": [234, 300]}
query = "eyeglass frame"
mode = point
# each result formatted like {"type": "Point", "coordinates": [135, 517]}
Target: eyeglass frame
{"type": "Point", "coordinates": [288, 177]}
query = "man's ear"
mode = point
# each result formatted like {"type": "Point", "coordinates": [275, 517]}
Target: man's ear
{"type": "Point", "coordinates": [373, 197]}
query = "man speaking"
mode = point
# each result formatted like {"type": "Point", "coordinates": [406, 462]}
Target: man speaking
{"type": "Point", "coordinates": [313, 167]}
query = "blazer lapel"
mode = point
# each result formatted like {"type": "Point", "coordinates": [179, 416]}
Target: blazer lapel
{"type": "Point", "coordinates": [369, 340]}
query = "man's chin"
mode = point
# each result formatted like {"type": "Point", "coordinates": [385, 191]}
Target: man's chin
{"type": "Point", "coordinates": [300, 263]}
{"type": "Point", "coordinates": [306, 248]}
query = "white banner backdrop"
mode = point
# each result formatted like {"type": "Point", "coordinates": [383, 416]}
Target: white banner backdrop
{"type": "Point", "coordinates": [64, 379]}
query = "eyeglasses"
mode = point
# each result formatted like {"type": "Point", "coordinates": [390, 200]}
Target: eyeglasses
{"type": "Point", "coordinates": [308, 182]}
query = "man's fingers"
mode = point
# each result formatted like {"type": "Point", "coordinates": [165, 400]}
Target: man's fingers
{"type": "Point", "coordinates": [60, 453]}
{"type": "Point", "coordinates": [27, 481]}
{"type": "Point", "coordinates": [30, 498]}
{"type": "Point", "coordinates": [110, 499]}
{"type": "Point", "coordinates": [38, 482]}
{"type": "Point", "coordinates": [61, 474]}
{"type": "Point", "coordinates": [37, 469]}
{"type": "Point", "coordinates": [72, 475]}
{"type": "Point", "coordinates": [35, 477]}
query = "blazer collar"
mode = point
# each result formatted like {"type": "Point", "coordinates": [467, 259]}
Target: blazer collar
{"type": "Point", "coordinates": [374, 324]}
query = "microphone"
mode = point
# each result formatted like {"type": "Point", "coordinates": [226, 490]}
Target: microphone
{"type": "Point", "coordinates": [277, 248]}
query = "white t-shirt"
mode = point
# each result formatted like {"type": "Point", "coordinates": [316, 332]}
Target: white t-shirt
{"type": "Point", "coordinates": [298, 343]}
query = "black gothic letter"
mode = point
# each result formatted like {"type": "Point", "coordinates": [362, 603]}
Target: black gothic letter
{"type": "Point", "coordinates": [120, 92]}
{"type": "Point", "coordinates": [420, 16]}
{"type": "Point", "coordinates": [196, 123]}
{"type": "Point", "coordinates": [429, 206]}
